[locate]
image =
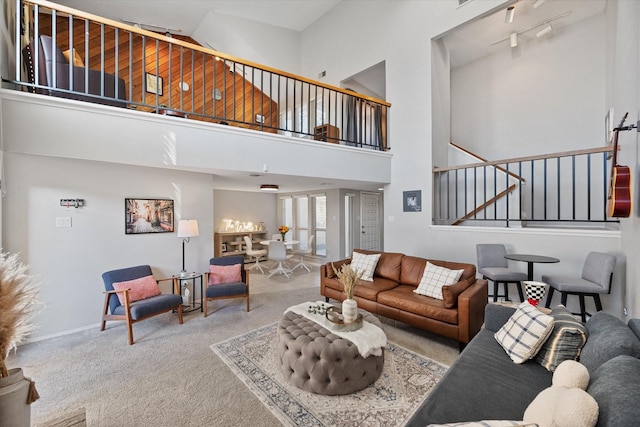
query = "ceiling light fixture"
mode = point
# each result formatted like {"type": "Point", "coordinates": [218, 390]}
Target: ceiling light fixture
{"type": "Point", "coordinates": [538, 3]}
{"type": "Point", "coordinates": [509, 16]}
{"type": "Point", "coordinates": [513, 39]}
{"type": "Point", "coordinates": [269, 187]}
{"type": "Point", "coordinates": [545, 30]}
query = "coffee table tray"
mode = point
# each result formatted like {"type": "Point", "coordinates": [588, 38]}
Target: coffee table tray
{"type": "Point", "coordinates": [335, 322]}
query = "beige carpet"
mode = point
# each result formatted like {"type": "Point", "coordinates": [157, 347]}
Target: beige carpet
{"type": "Point", "coordinates": [170, 377]}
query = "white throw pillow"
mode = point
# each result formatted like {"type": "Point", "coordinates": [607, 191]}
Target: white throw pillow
{"type": "Point", "coordinates": [434, 278]}
{"type": "Point", "coordinates": [367, 263]}
{"type": "Point", "coordinates": [524, 333]}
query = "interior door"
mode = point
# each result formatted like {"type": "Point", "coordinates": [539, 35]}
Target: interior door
{"type": "Point", "coordinates": [370, 221]}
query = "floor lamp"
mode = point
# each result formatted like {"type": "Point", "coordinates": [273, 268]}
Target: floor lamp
{"type": "Point", "coordinates": [187, 228]}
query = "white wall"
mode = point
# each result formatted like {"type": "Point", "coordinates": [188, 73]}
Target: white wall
{"type": "Point", "coordinates": [625, 97]}
{"type": "Point", "coordinates": [530, 100]}
{"type": "Point", "coordinates": [245, 206]}
{"type": "Point", "coordinates": [400, 33]}
{"type": "Point", "coordinates": [250, 40]}
{"type": "Point", "coordinates": [70, 261]}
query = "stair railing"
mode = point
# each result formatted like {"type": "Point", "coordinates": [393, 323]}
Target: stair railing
{"type": "Point", "coordinates": [565, 189]}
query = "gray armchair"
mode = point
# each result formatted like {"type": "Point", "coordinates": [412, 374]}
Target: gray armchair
{"type": "Point", "coordinates": [227, 290]}
{"type": "Point", "coordinates": [597, 275]}
{"type": "Point", "coordinates": [135, 311]}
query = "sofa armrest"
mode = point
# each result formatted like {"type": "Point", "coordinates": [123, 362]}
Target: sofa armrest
{"type": "Point", "coordinates": [471, 307]}
{"type": "Point", "coordinates": [496, 315]}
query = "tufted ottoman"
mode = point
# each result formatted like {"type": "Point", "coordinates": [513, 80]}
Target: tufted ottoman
{"type": "Point", "coordinates": [314, 359]}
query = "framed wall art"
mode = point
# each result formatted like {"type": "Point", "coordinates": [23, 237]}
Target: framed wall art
{"type": "Point", "coordinates": [144, 216]}
{"type": "Point", "coordinates": [412, 201]}
{"type": "Point", "coordinates": [154, 84]}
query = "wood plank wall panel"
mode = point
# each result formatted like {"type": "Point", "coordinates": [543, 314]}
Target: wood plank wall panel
{"type": "Point", "coordinates": [240, 102]}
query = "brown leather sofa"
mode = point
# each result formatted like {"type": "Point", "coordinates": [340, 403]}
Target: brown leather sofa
{"type": "Point", "coordinates": [459, 315]}
{"type": "Point", "coordinates": [53, 71]}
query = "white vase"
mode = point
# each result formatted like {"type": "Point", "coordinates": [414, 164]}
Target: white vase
{"type": "Point", "coordinates": [15, 408]}
{"type": "Point", "coordinates": [349, 310]}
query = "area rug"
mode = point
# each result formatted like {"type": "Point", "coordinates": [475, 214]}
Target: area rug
{"type": "Point", "coordinates": [406, 380]}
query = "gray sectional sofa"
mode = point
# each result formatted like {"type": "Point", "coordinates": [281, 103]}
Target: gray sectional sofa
{"type": "Point", "coordinates": [484, 384]}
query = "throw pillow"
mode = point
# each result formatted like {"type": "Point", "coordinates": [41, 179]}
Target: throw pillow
{"type": "Point", "coordinates": [524, 333]}
{"type": "Point", "coordinates": [221, 274]}
{"type": "Point", "coordinates": [450, 293]}
{"type": "Point", "coordinates": [77, 60]}
{"type": "Point", "coordinates": [565, 403]}
{"type": "Point", "coordinates": [565, 342]}
{"type": "Point", "coordinates": [142, 288]}
{"type": "Point", "coordinates": [367, 263]}
{"type": "Point", "coordinates": [434, 278]}
{"type": "Point", "coordinates": [616, 387]}
{"type": "Point", "coordinates": [608, 337]}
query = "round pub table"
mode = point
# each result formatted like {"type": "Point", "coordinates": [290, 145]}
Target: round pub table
{"type": "Point", "coordinates": [530, 260]}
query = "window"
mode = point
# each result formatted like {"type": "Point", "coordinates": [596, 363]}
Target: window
{"type": "Point", "coordinates": [306, 216]}
{"type": "Point", "coordinates": [302, 221]}
{"type": "Point", "coordinates": [320, 224]}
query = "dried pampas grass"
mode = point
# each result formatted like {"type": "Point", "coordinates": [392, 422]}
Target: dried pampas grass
{"type": "Point", "coordinates": [349, 278]}
{"type": "Point", "coordinates": [18, 304]}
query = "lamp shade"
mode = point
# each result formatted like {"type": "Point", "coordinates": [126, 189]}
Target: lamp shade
{"type": "Point", "coordinates": [188, 228]}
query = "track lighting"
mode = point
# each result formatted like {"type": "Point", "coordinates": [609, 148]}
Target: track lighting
{"type": "Point", "coordinates": [545, 30]}
{"type": "Point", "coordinates": [513, 38]}
{"type": "Point", "coordinates": [509, 16]}
{"type": "Point", "coordinates": [538, 3]}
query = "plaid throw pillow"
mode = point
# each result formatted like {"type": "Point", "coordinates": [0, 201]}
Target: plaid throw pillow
{"type": "Point", "coordinates": [565, 342]}
{"type": "Point", "coordinates": [524, 333]}
{"type": "Point", "coordinates": [367, 263]}
{"type": "Point", "coordinates": [434, 278]}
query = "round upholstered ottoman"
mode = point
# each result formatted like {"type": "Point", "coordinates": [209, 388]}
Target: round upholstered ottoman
{"type": "Point", "coordinates": [314, 359]}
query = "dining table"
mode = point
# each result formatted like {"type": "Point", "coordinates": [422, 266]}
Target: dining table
{"type": "Point", "coordinates": [286, 242]}
{"type": "Point", "coordinates": [530, 260]}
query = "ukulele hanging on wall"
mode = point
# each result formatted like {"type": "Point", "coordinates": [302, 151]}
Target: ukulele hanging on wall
{"type": "Point", "coordinates": [619, 199]}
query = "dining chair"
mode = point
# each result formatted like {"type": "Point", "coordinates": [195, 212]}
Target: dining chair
{"type": "Point", "coordinates": [596, 279]}
{"type": "Point", "coordinates": [278, 253]}
{"type": "Point", "coordinates": [308, 250]}
{"type": "Point", "coordinates": [254, 253]}
{"type": "Point", "coordinates": [495, 267]}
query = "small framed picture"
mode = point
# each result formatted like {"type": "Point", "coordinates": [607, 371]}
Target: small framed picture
{"type": "Point", "coordinates": [154, 84]}
{"type": "Point", "coordinates": [148, 216]}
{"type": "Point", "coordinates": [224, 247]}
{"type": "Point", "coordinates": [412, 201]}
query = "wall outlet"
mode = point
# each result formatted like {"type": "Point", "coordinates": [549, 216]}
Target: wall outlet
{"type": "Point", "coordinates": [259, 118]}
{"type": "Point", "coordinates": [625, 311]}
{"type": "Point", "coordinates": [63, 221]}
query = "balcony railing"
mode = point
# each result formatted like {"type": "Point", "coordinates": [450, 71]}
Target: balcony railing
{"type": "Point", "coordinates": [568, 189]}
{"type": "Point", "coordinates": [113, 63]}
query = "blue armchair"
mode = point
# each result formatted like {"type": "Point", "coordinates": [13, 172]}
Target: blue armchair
{"type": "Point", "coordinates": [233, 289]}
{"type": "Point", "coordinates": [128, 303]}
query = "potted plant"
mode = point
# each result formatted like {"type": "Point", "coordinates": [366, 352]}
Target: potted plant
{"type": "Point", "coordinates": [18, 304]}
{"type": "Point", "coordinates": [349, 278]}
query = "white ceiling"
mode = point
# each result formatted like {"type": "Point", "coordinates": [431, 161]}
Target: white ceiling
{"type": "Point", "coordinates": [472, 41]}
